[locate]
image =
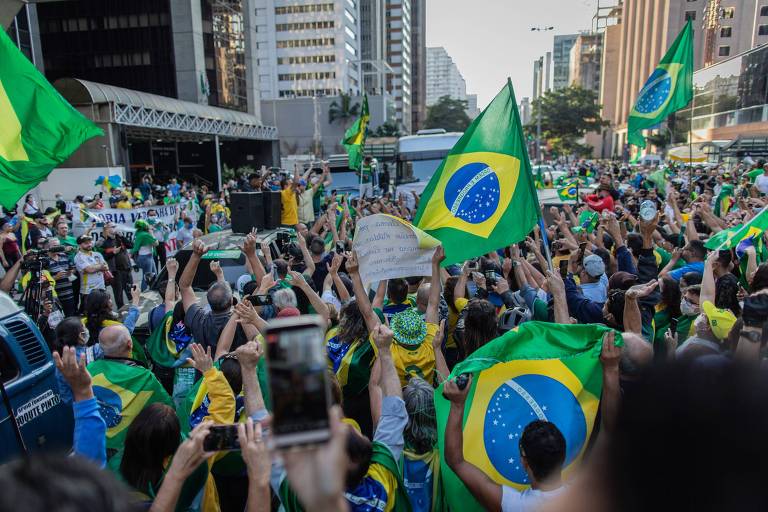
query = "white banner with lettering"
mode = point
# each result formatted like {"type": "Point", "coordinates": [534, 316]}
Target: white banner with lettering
{"type": "Point", "coordinates": [125, 219]}
{"type": "Point", "coordinates": [388, 247]}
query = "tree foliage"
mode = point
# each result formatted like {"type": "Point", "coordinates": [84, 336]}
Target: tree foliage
{"type": "Point", "coordinates": [343, 111]}
{"type": "Point", "coordinates": [449, 114]}
{"type": "Point", "coordinates": [567, 115]}
{"type": "Point", "coordinates": [388, 129]}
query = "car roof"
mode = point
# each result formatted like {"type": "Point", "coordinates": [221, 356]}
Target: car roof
{"type": "Point", "coordinates": [226, 239]}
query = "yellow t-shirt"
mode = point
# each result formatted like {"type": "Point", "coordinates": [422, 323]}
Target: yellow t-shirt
{"type": "Point", "coordinates": [289, 215]}
{"type": "Point", "coordinates": [416, 361]}
{"type": "Point", "coordinates": [453, 319]}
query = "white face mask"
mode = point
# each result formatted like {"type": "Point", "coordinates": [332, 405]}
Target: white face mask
{"type": "Point", "coordinates": [688, 309]}
{"type": "Point", "coordinates": [85, 336]}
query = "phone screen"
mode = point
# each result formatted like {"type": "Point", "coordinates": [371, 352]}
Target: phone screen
{"type": "Point", "coordinates": [563, 268]}
{"type": "Point", "coordinates": [298, 381]}
{"type": "Point", "coordinates": [260, 300]}
{"type": "Point", "coordinates": [221, 438]}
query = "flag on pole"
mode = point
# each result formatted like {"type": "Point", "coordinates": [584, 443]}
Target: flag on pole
{"type": "Point", "coordinates": [540, 371]}
{"type": "Point", "coordinates": [482, 197]}
{"type": "Point", "coordinates": [730, 238]}
{"type": "Point", "coordinates": [38, 128]}
{"type": "Point", "coordinates": [568, 192]}
{"type": "Point", "coordinates": [354, 137]}
{"type": "Point", "coordinates": [724, 200]}
{"type": "Point", "coordinates": [667, 90]}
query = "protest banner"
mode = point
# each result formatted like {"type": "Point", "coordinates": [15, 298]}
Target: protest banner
{"type": "Point", "coordinates": [388, 247]}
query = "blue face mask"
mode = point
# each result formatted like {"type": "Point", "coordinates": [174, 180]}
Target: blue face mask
{"type": "Point", "coordinates": [188, 225]}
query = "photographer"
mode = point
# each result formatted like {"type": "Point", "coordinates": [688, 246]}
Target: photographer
{"type": "Point", "coordinates": [114, 248]}
{"type": "Point", "coordinates": [62, 271]}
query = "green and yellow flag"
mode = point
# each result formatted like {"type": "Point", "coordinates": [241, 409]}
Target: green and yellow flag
{"type": "Point", "coordinates": [482, 197]}
{"type": "Point", "coordinates": [568, 192]}
{"type": "Point", "coordinates": [540, 371]}
{"type": "Point", "coordinates": [38, 128]}
{"type": "Point", "coordinates": [667, 90]}
{"type": "Point", "coordinates": [354, 137]}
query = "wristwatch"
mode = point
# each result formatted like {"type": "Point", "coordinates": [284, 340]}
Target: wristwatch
{"type": "Point", "coordinates": [753, 336]}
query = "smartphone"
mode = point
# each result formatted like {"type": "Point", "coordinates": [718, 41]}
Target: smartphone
{"type": "Point", "coordinates": [563, 268]}
{"type": "Point", "coordinates": [491, 277]}
{"type": "Point", "coordinates": [340, 247]}
{"type": "Point", "coordinates": [472, 265]}
{"type": "Point", "coordinates": [260, 300]}
{"type": "Point", "coordinates": [673, 325]}
{"type": "Point", "coordinates": [298, 380]}
{"type": "Point", "coordinates": [221, 438]}
{"type": "Point", "coordinates": [582, 248]}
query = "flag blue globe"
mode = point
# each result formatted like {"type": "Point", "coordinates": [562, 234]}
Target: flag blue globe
{"type": "Point", "coordinates": [518, 402]}
{"type": "Point", "coordinates": [110, 405]}
{"type": "Point", "coordinates": [472, 193]}
{"type": "Point", "coordinates": [655, 92]}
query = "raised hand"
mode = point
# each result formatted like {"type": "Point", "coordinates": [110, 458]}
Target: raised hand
{"type": "Point", "coordinates": [201, 359]}
{"type": "Point", "coordinates": [172, 266]}
{"type": "Point", "coordinates": [610, 354]}
{"type": "Point", "coordinates": [74, 372]}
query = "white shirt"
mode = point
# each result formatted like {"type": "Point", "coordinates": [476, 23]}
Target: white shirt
{"type": "Point", "coordinates": [306, 210]}
{"type": "Point", "coordinates": [761, 182]}
{"type": "Point", "coordinates": [513, 500]}
{"type": "Point", "coordinates": [89, 282]}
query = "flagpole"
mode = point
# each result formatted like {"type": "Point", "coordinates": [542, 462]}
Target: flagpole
{"type": "Point", "coordinates": [690, 151]}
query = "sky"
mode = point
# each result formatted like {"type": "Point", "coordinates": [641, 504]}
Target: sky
{"type": "Point", "coordinates": [491, 40]}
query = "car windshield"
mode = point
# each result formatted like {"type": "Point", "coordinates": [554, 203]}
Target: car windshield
{"type": "Point", "coordinates": [232, 263]}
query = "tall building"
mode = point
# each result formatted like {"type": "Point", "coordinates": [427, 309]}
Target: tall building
{"type": "Point", "coordinates": [472, 110]}
{"type": "Point", "coordinates": [418, 64]}
{"type": "Point", "coordinates": [443, 77]}
{"type": "Point", "coordinates": [525, 110]}
{"type": "Point", "coordinates": [399, 45]}
{"type": "Point", "coordinates": [585, 61]}
{"type": "Point", "coordinates": [561, 57]}
{"type": "Point", "coordinates": [307, 49]}
{"type": "Point", "coordinates": [373, 45]}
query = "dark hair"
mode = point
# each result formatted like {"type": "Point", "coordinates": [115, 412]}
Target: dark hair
{"type": "Point", "coordinates": [760, 279]}
{"type": "Point", "coordinates": [726, 293]}
{"type": "Point", "coordinates": [616, 307]}
{"type": "Point", "coordinates": [178, 315]}
{"type": "Point", "coordinates": [414, 280]}
{"type": "Point", "coordinates": [153, 436]}
{"type": "Point", "coordinates": [282, 267]}
{"type": "Point", "coordinates": [351, 323]}
{"type": "Point", "coordinates": [250, 287]}
{"type": "Point", "coordinates": [397, 290]}
{"type": "Point", "coordinates": [317, 246]}
{"type": "Point", "coordinates": [68, 333]}
{"type": "Point", "coordinates": [670, 296]}
{"type": "Point", "coordinates": [421, 430]}
{"type": "Point", "coordinates": [692, 278]}
{"type": "Point", "coordinates": [232, 371]}
{"type": "Point", "coordinates": [48, 482]}
{"type": "Point", "coordinates": [698, 249]}
{"type": "Point", "coordinates": [634, 243]}
{"type": "Point", "coordinates": [97, 310]}
{"type": "Point", "coordinates": [219, 297]}
{"type": "Point", "coordinates": [359, 451]}
{"type": "Point", "coordinates": [544, 448]}
{"type": "Point", "coordinates": [479, 324]}
{"type": "Point", "coordinates": [448, 291]}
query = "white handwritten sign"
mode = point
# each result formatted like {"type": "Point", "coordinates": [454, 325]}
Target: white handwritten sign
{"type": "Point", "coordinates": [388, 247]}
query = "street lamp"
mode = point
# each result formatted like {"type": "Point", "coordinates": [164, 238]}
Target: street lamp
{"type": "Point", "coordinates": [542, 29]}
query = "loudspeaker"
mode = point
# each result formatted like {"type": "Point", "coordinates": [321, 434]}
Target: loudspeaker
{"type": "Point", "coordinates": [247, 210]}
{"type": "Point", "coordinates": [272, 209]}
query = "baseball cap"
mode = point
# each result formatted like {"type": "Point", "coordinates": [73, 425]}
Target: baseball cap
{"type": "Point", "coordinates": [594, 265]}
{"type": "Point", "coordinates": [83, 238]}
{"type": "Point", "coordinates": [720, 320]}
{"type": "Point", "coordinates": [621, 280]}
{"type": "Point", "coordinates": [110, 225]}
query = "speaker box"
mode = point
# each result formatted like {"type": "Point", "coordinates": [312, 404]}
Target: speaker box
{"type": "Point", "coordinates": [272, 211]}
{"type": "Point", "coordinates": [247, 210]}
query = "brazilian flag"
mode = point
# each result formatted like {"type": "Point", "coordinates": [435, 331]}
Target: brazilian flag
{"type": "Point", "coordinates": [482, 197]}
{"type": "Point", "coordinates": [731, 238]}
{"type": "Point", "coordinates": [38, 128]}
{"type": "Point", "coordinates": [540, 371]}
{"type": "Point", "coordinates": [588, 222]}
{"type": "Point", "coordinates": [568, 192]}
{"type": "Point", "coordinates": [354, 137]}
{"type": "Point", "coordinates": [667, 90]}
{"type": "Point", "coordinates": [122, 391]}
{"type": "Point", "coordinates": [724, 200]}
{"type": "Point", "coordinates": [168, 344]}
{"type": "Point", "coordinates": [350, 361]}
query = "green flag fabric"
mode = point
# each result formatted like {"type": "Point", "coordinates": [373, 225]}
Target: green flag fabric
{"type": "Point", "coordinates": [540, 371]}
{"type": "Point", "coordinates": [724, 200]}
{"type": "Point", "coordinates": [354, 137]}
{"type": "Point", "coordinates": [732, 237]}
{"type": "Point", "coordinates": [482, 197]}
{"type": "Point", "coordinates": [122, 391]}
{"type": "Point", "coordinates": [568, 192]}
{"type": "Point", "coordinates": [667, 90]}
{"type": "Point", "coordinates": [38, 128]}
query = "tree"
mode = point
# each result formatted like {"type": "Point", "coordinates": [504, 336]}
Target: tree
{"type": "Point", "coordinates": [388, 129]}
{"type": "Point", "coordinates": [567, 115]}
{"type": "Point", "coordinates": [449, 114]}
{"type": "Point", "coordinates": [343, 110]}
{"type": "Point", "coordinates": [660, 139]}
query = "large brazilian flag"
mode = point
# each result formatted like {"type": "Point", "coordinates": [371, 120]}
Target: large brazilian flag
{"type": "Point", "coordinates": [541, 371]}
{"type": "Point", "coordinates": [122, 391]}
{"type": "Point", "coordinates": [38, 128]}
{"type": "Point", "coordinates": [482, 197]}
{"type": "Point", "coordinates": [667, 90]}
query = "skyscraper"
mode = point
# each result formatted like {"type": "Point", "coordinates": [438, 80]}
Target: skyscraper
{"type": "Point", "coordinates": [307, 49]}
{"type": "Point", "coordinates": [561, 55]}
{"type": "Point", "coordinates": [399, 44]}
{"type": "Point", "coordinates": [418, 63]}
{"type": "Point", "coordinates": [443, 77]}
{"type": "Point", "coordinates": [585, 59]}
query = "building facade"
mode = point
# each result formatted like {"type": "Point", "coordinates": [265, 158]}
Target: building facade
{"type": "Point", "coordinates": [307, 49]}
{"type": "Point", "coordinates": [418, 64]}
{"type": "Point", "coordinates": [561, 60]}
{"type": "Point", "coordinates": [399, 46]}
{"type": "Point", "coordinates": [585, 61]}
{"type": "Point", "coordinates": [443, 77]}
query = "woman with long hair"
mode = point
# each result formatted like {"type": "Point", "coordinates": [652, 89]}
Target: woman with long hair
{"type": "Point", "coordinates": [98, 314]}
{"type": "Point", "coordinates": [667, 311]}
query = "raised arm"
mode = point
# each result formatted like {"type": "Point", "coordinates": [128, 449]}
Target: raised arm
{"type": "Point", "coordinates": [708, 279]}
{"type": "Point", "coordinates": [248, 356]}
{"type": "Point", "coordinates": [305, 253]}
{"type": "Point", "coordinates": [172, 266]}
{"type": "Point", "coordinates": [248, 314]}
{"type": "Point", "coordinates": [185, 283]}
{"type": "Point", "coordinates": [361, 296]}
{"type": "Point", "coordinates": [441, 365]}
{"type": "Point", "coordinates": [381, 292]}
{"type": "Point", "coordinates": [249, 249]}
{"type": "Point", "coordinates": [226, 337]}
{"type": "Point", "coordinates": [321, 308]}
{"type": "Point", "coordinates": [435, 287]}
{"type": "Point", "coordinates": [557, 289]}
{"type": "Point", "coordinates": [333, 271]}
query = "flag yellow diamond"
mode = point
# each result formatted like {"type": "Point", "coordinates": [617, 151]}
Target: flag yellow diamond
{"type": "Point", "coordinates": [11, 148]}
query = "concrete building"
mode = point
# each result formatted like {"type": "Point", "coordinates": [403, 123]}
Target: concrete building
{"type": "Point", "coordinates": [399, 43]}
{"type": "Point", "coordinates": [585, 61]}
{"type": "Point", "coordinates": [174, 84]}
{"type": "Point", "coordinates": [472, 110]}
{"type": "Point", "coordinates": [443, 77]}
{"type": "Point", "coordinates": [307, 49]}
{"type": "Point", "coordinates": [561, 60]}
{"type": "Point", "coordinates": [418, 64]}
{"type": "Point", "coordinates": [525, 110]}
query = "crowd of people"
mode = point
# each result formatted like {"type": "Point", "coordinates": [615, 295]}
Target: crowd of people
{"type": "Point", "coordinates": [646, 254]}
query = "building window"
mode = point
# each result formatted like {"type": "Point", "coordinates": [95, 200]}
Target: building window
{"type": "Point", "coordinates": [300, 9]}
{"type": "Point", "coordinates": [350, 33]}
{"type": "Point", "coordinates": [307, 25]}
{"type": "Point", "coordinates": [349, 16]}
{"type": "Point", "coordinates": [724, 51]}
{"type": "Point", "coordinates": [306, 59]}
{"type": "Point", "coordinates": [303, 43]}
{"type": "Point", "coordinates": [690, 15]}
{"type": "Point", "coordinates": [764, 10]}
{"type": "Point", "coordinates": [725, 32]}
{"type": "Point", "coordinates": [728, 13]}
{"type": "Point", "coordinates": [351, 49]}
{"type": "Point", "coordinates": [762, 30]}
{"type": "Point", "coordinates": [314, 75]}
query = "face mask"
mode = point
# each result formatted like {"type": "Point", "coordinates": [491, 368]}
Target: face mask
{"type": "Point", "coordinates": [85, 336]}
{"type": "Point", "coordinates": [688, 309]}
{"type": "Point", "coordinates": [189, 226]}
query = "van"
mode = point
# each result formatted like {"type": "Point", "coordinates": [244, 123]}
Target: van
{"type": "Point", "coordinates": [29, 390]}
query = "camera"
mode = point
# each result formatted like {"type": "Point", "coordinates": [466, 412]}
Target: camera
{"type": "Point", "coordinates": [36, 259]}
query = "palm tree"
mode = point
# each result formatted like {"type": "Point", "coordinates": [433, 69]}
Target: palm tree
{"type": "Point", "coordinates": [344, 111]}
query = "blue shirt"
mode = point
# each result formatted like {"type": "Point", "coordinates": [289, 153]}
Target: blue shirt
{"type": "Point", "coordinates": [90, 439]}
{"type": "Point", "coordinates": [596, 292]}
{"type": "Point", "coordinates": [696, 266]}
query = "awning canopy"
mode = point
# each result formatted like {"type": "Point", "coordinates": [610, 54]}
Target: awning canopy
{"type": "Point", "coordinates": [747, 145]}
{"type": "Point", "coordinates": [143, 110]}
{"type": "Point", "coordinates": [692, 154]}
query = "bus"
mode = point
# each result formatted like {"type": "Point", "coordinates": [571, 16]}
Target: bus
{"type": "Point", "coordinates": [419, 156]}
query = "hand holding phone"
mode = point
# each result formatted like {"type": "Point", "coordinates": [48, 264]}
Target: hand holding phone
{"type": "Point", "coordinates": [563, 268]}
{"type": "Point", "coordinates": [221, 438]}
